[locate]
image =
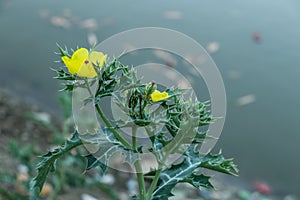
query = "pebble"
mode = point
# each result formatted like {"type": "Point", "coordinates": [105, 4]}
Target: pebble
{"type": "Point", "coordinates": [262, 188]}
{"type": "Point", "coordinates": [60, 22]}
{"type": "Point", "coordinates": [245, 100]}
{"type": "Point", "coordinates": [213, 47]}
{"type": "Point", "coordinates": [256, 37]}
{"type": "Point", "coordinates": [22, 169]}
{"type": "Point", "coordinates": [92, 39]}
{"type": "Point", "coordinates": [108, 179]}
{"type": "Point", "coordinates": [43, 116]}
{"type": "Point", "coordinates": [132, 186]}
{"type": "Point", "coordinates": [46, 190]}
{"type": "Point", "coordinates": [172, 14]}
{"type": "Point", "coordinates": [90, 24]}
{"type": "Point", "coordinates": [232, 74]}
{"type": "Point", "coordinates": [244, 195]}
{"type": "Point", "coordinates": [22, 177]}
{"type": "Point", "coordinates": [290, 197]}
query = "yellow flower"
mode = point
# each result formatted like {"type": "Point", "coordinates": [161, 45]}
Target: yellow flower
{"type": "Point", "coordinates": [159, 96]}
{"type": "Point", "coordinates": [81, 62]}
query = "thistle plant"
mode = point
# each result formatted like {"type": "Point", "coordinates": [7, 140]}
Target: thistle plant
{"type": "Point", "coordinates": [173, 122]}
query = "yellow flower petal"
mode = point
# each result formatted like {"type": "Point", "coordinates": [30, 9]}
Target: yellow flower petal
{"type": "Point", "coordinates": [74, 63]}
{"type": "Point", "coordinates": [87, 70]}
{"type": "Point", "coordinates": [159, 96]}
{"type": "Point", "coordinates": [67, 62]}
{"type": "Point", "coordinates": [165, 95]}
{"type": "Point", "coordinates": [97, 58]}
{"type": "Point", "coordinates": [81, 62]}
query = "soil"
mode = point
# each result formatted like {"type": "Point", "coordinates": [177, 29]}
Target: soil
{"type": "Point", "coordinates": [16, 126]}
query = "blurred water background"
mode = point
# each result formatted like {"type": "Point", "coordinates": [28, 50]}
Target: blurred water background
{"type": "Point", "coordinates": [255, 44]}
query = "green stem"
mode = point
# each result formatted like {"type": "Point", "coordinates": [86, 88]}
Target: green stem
{"type": "Point", "coordinates": [139, 170]}
{"type": "Point", "coordinates": [156, 177]}
{"type": "Point", "coordinates": [153, 184]}
{"type": "Point", "coordinates": [106, 121]}
{"type": "Point", "coordinates": [140, 179]}
{"type": "Point", "coordinates": [134, 129]}
{"type": "Point", "coordinates": [88, 87]}
{"type": "Point", "coordinates": [150, 134]}
{"type": "Point", "coordinates": [112, 129]}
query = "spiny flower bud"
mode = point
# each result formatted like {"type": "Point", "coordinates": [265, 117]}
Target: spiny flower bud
{"type": "Point", "coordinates": [150, 88]}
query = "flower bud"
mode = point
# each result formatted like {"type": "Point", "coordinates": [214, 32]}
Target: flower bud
{"type": "Point", "coordinates": [150, 88]}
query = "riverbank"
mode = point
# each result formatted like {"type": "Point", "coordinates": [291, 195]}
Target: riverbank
{"type": "Point", "coordinates": [22, 139]}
